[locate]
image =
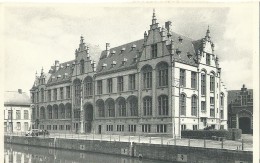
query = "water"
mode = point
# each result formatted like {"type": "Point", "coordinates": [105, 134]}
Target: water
{"type": "Point", "coordinates": [29, 154]}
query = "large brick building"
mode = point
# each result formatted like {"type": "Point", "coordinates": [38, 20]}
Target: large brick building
{"type": "Point", "coordinates": [160, 84]}
{"type": "Point", "coordinates": [240, 109]}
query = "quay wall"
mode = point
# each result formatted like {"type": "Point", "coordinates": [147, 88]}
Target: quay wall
{"type": "Point", "coordinates": [147, 151]}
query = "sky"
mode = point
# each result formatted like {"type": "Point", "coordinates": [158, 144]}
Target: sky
{"type": "Point", "coordinates": [36, 35]}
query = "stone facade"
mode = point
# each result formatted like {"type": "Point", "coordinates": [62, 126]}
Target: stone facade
{"type": "Point", "coordinates": [240, 109]}
{"type": "Point", "coordinates": [158, 85]}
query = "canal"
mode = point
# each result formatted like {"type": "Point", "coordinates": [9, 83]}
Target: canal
{"type": "Point", "coordinates": [29, 154]}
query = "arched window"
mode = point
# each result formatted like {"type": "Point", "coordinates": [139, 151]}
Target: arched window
{"type": "Point", "coordinates": [82, 67]}
{"type": "Point", "coordinates": [101, 108]}
{"type": "Point", "coordinates": [121, 107]}
{"type": "Point", "coordinates": [163, 106]}
{"type": "Point", "coordinates": [110, 104]}
{"type": "Point", "coordinates": [194, 105]}
{"type": "Point", "coordinates": [147, 106]}
{"type": "Point", "coordinates": [42, 113]}
{"type": "Point", "coordinates": [68, 110]}
{"type": "Point", "coordinates": [42, 95]}
{"type": "Point", "coordinates": [203, 82]}
{"type": "Point", "coordinates": [222, 99]}
{"type": "Point", "coordinates": [88, 87]}
{"type": "Point", "coordinates": [162, 74]}
{"type": "Point", "coordinates": [133, 105]}
{"type": "Point", "coordinates": [147, 76]}
{"type": "Point", "coordinates": [183, 104]}
{"type": "Point", "coordinates": [77, 89]}
{"type": "Point", "coordinates": [212, 82]}
{"type": "Point", "coordinates": [49, 108]}
{"type": "Point", "coordinates": [61, 111]}
{"type": "Point", "coordinates": [55, 113]}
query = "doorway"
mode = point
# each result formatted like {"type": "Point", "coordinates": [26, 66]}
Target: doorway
{"type": "Point", "coordinates": [99, 129]}
{"type": "Point", "coordinates": [245, 125]}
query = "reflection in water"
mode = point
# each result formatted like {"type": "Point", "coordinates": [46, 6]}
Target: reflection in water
{"type": "Point", "coordinates": [28, 154]}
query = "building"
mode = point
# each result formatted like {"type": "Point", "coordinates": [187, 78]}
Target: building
{"type": "Point", "coordinates": [17, 111]}
{"type": "Point", "coordinates": [240, 109]}
{"type": "Point", "coordinates": [160, 84]}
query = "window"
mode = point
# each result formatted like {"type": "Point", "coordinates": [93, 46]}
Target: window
{"type": "Point", "coordinates": [10, 114]}
{"type": "Point", "coordinates": [122, 107]}
{"type": "Point", "coordinates": [183, 127]}
{"type": "Point", "coordinates": [147, 77]}
{"type": "Point", "coordinates": [154, 50]}
{"type": "Point", "coordinates": [18, 114]}
{"type": "Point", "coordinates": [77, 89]}
{"type": "Point", "coordinates": [25, 114]}
{"type": "Point", "coordinates": [76, 113]}
{"type": "Point", "coordinates": [212, 83]}
{"type": "Point", "coordinates": [162, 128]}
{"type": "Point", "coordinates": [68, 110]}
{"type": "Point", "coordinates": [61, 93]}
{"type": "Point", "coordinates": [132, 128]}
{"type": "Point", "coordinates": [110, 108]}
{"type": "Point", "coordinates": [55, 114]}
{"type": "Point", "coordinates": [68, 127]}
{"type": "Point", "coordinates": [221, 127]}
{"type": "Point", "coordinates": [133, 105]}
{"type": "Point", "coordinates": [212, 106]}
{"type": "Point", "coordinates": [244, 100]}
{"type": "Point", "coordinates": [212, 100]}
{"type": "Point", "coordinates": [163, 74]}
{"type": "Point", "coordinates": [208, 59]}
{"type": "Point", "coordinates": [99, 86]}
{"type": "Point", "coordinates": [203, 83]}
{"type": "Point", "coordinates": [221, 114]}
{"type": "Point", "coordinates": [182, 78]}
{"type": "Point", "coordinates": [147, 108]}
{"type": "Point", "coordinates": [163, 106]}
{"type": "Point", "coordinates": [203, 106]}
{"type": "Point", "coordinates": [49, 95]}
{"type": "Point", "coordinates": [32, 98]}
{"type": "Point", "coordinates": [26, 126]}
{"type": "Point", "coordinates": [194, 105]}
{"type": "Point", "coordinates": [132, 82]}
{"type": "Point", "coordinates": [37, 97]}
{"type": "Point", "coordinates": [18, 125]}
{"type": "Point", "coordinates": [195, 127]}
{"type": "Point", "coordinates": [146, 128]}
{"type": "Point", "coordinates": [109, 127]}
{"type": "Point", "coordinates": [42, 127]}
{"type": "Point", "coordinates": [222, 99]}
{"type": "Point", "coordinates": [55, 127]}
{"type": "Point", "coordinates": [68, 92]}
{"type": "Point", "coordinates": [82, 67]}
{"type": "Point", "coordinates": [100, 106]}
{"type": "Point", "coordinates": [42, 95]}
{"type": "Point", "coordinates": [193, 80]}
{"type": "Point", "coordinates": [120, 84]}
{"type": "Point", "coordinates": [50, 113]}
{"type": "Point", "coordinates": [42, 113]}
{"type": "Point", "coordinates": [61, 127]}
{"type": "Point", "coordinates": [54, 94]}
{"type": "Point", "coordinates": [183, 104]}
{"type": "Point", "coordinates": [88, 87]}
{"type": "Point", "coordinates": [48, 127]}
{"type": "Point", "coordinates": [109, 85]}
{"type": "Point", "coordinates": [120, 128]}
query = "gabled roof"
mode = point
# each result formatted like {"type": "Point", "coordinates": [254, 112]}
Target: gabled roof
{"type": "Point", "coordinates": [127, 54]}
{"type": "Point", "coordinates": [59, 75]}
{"type": "Point", "coordinates": [233, 95]}
{"type": "Point", "coordinates": [16, 98]}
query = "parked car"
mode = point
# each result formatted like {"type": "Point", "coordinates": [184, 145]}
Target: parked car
{"type": "Point", "coordinates": [36, 132]}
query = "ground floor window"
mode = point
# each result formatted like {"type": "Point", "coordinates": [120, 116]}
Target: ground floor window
{"type": "Point", "coordinates": [161, 128]}
{"type": "Point", "coordinates": [48, 127]}
{"type": "Point", "coordinates": [132, 128]}
{"type": "Point", "coordinates": [42, 127]}
{"type": "Point", "coordinates": [26, 126]}
{"type": "Point", "coordinates": [120, 127]}
{"type": "Point", "coordinates": [55, 127]}
{"type": "Point", "coordinates": [221, 127]}
{"type": "Point", "coordinates": [68, 127]}
{"type": "Point", "coordinates": [195, 127]}
{"type": "Point", "coordinates": [183, 127]}
{"type": "Point", "coordinates": [146, 128]}
{"type": "Point", "coordinates": [61, 127]}
{"type": "Point", "coordinates": [18, 125]}
{"type": "Point", "coordinates": [109, 127]}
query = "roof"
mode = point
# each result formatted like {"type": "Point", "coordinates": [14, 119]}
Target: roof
{"type": "Point", "coordinates": [63, 73]}
{"type": "Point", "coordinates": [16, 98]}
{"type": "Point", "coordinates": [127, 55]}
{"type": "Point", "coordinates": [233, 95]}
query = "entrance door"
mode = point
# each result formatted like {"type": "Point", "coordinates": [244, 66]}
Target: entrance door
{"type": "Point", "coordinates": [88, 118]}
{"type": "Point", "coordinates": [245, 125]}
{"type": "Point", "coordinates": [99, 129]}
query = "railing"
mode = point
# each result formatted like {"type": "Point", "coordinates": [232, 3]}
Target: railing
{"type": "Point", "coordinates": [218, 142]}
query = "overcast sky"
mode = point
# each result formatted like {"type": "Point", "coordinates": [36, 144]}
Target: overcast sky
{"type": "Point", "coordinates": [37, 35]}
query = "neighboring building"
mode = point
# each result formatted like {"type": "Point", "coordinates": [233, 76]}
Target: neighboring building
{"type": "Point", "coordinates": [17, 111]}
{"type": "Point", "coordinates": [161, 84]}
{"type": "Point", "coordinates": [240, 109]}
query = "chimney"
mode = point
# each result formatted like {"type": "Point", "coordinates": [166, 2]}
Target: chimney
{"type": "Point", "coordinates": [20, 91]}
{"type": "Point", "coordinates": [93, 64]}
{"type": "Point", "coordinates": [87, 51]}
{"type": "Point", "coordinates": [163, 34]}
{"type": "Point", "coordinates": [145, 36]}
{"type": "Point", "coordinates": [168, 25]}
{"type": "Point", "coordinates": [56, 65]}
{"type": "Point", "coordinates": [107, 49]}
{"type": "Point", "coordinates": [172, 47]}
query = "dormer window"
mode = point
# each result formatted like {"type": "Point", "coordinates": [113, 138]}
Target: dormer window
{"type": "Point", "coordinates": [180, 39]}
{"type": "Point", "coordinates": [104, 66]}
{"type": "Point", "coordinates": [122, 50]}
{"type": "Point", "coordinates": [59, 76]}
{"type": "Point", "coordinates": [113, 52]}
{"type": "Point", "coordinates": [178, 51]}
{"type": "Point", "coordinates": [135, 59]}
{"type": "Point", "coordinates": [67, 65]}
{"type": "Point", "coordinates": [113, 63]}
{"type": "Point", "coordinates": [133, 46]}
{"type": "Point", "coordinates": [189, 55]}
{"type": "Point", "coordinates": [61, 66]}
{"type": "Point", "coordinates": [124, 61]}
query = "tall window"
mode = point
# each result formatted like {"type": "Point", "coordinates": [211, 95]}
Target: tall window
{"type": "Point", "coordinates": [163, 106]}
{"type": "Point", "coordinates": [154, 50]}
{"type": "Point", "coordinates": [37, 97]}
{"type": "Point", "coordinates": [146, 128]}
{"type": "Point", "coordinates": [147, 108]}
{"type": "Point", "coordinates": [49, 95]}
{"type": "Point", "coordinates": [183, 104]}
{"type": "Point", "coordinates": [203, 106]}
{"type": "Point", "coordinates": [82, 67]}
{"type": "Point", "coordinates": [50, 112]}
{"type": "Point", "coordinates": [221, 99]}
{"type": "Point", "coordinates": [182, 78]}
{"type": "Point", "coordinates": [32, 98]}
{"type": "Point", "coordinates": [99, 86]}
{"type": "Point", "coordinates": [68, 92]}
{"type": "Point", "coordinates": [18, 114]}
{"type": "Point", "coordinates": [193, 80]}
{"type": "Point", "coordinates": [18, 125]}
{"type": "Point", "coordinates": [109, 85]}
{"type": "Point", "coordinates": [25, 114]}
{"type": "Point", "coordinates": [101, 106]}
{"type": "Point", "coordinates": [212, 106]}
{"type": "Point", "coordinates": [163, 74]}
{"type": "Point", "coordinates": [55, 108]}
{"type": "Point", "coordinates": [212, 83]}
{"type": "Point", "coordinates": [77, 89]}
{"type": "Point", "coordinates": [208, 59]}
{"type": "Point", "coordinates": [61, 93]}
{"type": "Point", "coordinates": [122, 107]}
{"type": "Point", "coordinates": [110, 108]}
{"type": "Point", "coordinates": [244, 100]}
{"type": "Point", "coordinates": [161, 128]}
{"type": "Point", "coordinates": [55, 94]}
{"type": "Point", "coordinates": [147, 77]}
{"type": "Point", "coordinates": [194, 105]}
{"type": "Point", "coordinates": [132, 82]}
{"type": "Point", "coordinates": [133, 105]}
{"type": "Point", "coordinates": [88, 87]}
{"type": "Point", "coordinates": [120, 84]}
{"type": "Point", "coordinates": [42, 113]}
{"type": "Point", "coordinates": [203, 83]}
{"type": "Point", "coordinates": [221, 114]}
{"type": "Point", "coordinates": [42, 95]}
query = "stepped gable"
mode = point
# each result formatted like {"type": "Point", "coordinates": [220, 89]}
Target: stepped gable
{"type": "Point", "coordinates": [114, 61]}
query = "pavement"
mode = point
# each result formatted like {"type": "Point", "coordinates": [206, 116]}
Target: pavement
{"type": "Point", "coordinates": [246, 144]}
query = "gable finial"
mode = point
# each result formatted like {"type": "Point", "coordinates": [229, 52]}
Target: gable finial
{"type": "Point", "coordinates": [154, 17]}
